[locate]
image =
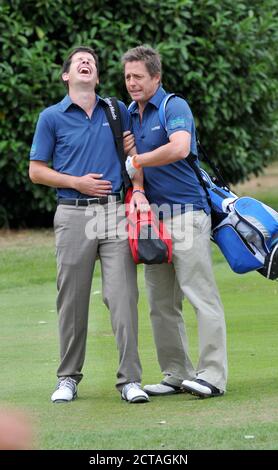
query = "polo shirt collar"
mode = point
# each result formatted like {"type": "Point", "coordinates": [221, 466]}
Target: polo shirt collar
{"type": "Point", "coordinates": [158, 97]}
{"type": "Point", "coordinates": [155, 100]}
{"type": "Point", "coordinates": [67, 102]}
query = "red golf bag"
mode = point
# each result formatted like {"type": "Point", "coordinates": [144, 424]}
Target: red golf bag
{"type": "Point", "coordinates": [149, 239]}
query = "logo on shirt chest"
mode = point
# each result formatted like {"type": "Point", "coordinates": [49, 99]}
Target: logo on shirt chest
{"type": "Point", "coordinates": [155, 128]}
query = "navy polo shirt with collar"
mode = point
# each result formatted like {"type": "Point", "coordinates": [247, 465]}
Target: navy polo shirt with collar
{"type": "Point", "coordinates": [77, 145]}
{"type": "Point", "coordinates": [175, 183]}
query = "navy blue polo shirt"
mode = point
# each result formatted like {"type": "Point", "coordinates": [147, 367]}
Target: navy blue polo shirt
{"type": "Point", "coordinates": [77, 145]}
{"type": "Point", "coordinates": [175, 183]}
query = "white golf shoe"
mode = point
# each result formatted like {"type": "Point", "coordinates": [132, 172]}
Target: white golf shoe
{"type": "Point", "coordinates": [163, 388]}
{"type": "Point", "coordinates": [133, 393]}
{"type": "Point", "coordinates": [66, 391]}
{"type": "Point", "coordinates": [201, 388]}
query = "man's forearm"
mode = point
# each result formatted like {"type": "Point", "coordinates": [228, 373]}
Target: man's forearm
{"type": "Point", "coordinates": [138, 179]}
{"type": "Point", "coordinates": [40, 173]}
{"type": "Point", "coordinates": [177, 149]}
{"type": "Point", "coordinates": [161, 156]}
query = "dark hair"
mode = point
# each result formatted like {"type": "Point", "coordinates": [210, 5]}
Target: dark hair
{"type": "Point", "coordinates": [146, 54]}
{"type": "Point", "coordinates": [67, 62]}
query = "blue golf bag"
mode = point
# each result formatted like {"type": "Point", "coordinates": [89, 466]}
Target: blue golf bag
{"type": "Point", "coordinates": [245, 230]}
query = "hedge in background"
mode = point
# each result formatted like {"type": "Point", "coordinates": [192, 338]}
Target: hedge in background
{"type": "Point", "coordinates": [220, 54]}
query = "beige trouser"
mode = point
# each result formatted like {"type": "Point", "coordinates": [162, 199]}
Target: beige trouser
{"type": "Point", "coordinates": [81, 236]}
{"type": "Point", "coordinates": [189, 275]}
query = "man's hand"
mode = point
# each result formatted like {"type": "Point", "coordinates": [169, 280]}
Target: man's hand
{"type": "Point", "coordinates": [129, 142]}
{"type": "Point", "coordinates": [90, 184]}
{"type": "Point", "coordinates": [130, 168]}
{"type": "Point", "coordinates": [93, 185]}
{"type": "Point", "coordinates": [139, 202]}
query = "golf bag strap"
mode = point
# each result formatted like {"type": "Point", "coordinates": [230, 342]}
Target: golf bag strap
{"type": "Point", "coordinates": [192, 161]}
{"type": "Point", "coordinates": [201, 150]}
{"type": "Point", "coordinates": [113, 114]}
{"type": "Point", "coordinates": [214, 168]}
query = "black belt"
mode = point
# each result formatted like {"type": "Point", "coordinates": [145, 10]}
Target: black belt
{"type": "Point", "coordinates": [93, 200]}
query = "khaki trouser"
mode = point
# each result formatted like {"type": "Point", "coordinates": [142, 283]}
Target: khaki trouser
{"type": "Point", "coordinates": [82, 236]}
{"type": "Point", "coordinates": [189, 275]}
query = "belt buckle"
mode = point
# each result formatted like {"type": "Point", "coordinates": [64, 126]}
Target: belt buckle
{"type": "Point", "coordinates": [92, 200]}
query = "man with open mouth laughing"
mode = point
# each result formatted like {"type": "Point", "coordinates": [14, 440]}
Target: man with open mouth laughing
{"type": "Point", "coordinates": [75, 136]}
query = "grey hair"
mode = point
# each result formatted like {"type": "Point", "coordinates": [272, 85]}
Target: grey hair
{"type": "Point", "coordinates": [146, 54]}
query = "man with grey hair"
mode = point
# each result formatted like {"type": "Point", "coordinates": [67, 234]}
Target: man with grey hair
{"type": "Point", "coordinates": [170, 181]}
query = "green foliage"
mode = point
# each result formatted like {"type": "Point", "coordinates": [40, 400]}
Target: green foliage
{"type": "Point", "coordinates": [220, 54]}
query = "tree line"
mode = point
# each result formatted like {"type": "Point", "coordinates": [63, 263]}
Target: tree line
{"type": "Point", "coordinates": [220, 54]}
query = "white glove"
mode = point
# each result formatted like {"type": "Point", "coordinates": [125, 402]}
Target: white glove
{"type": "Point", "coordinates": [130, 168]}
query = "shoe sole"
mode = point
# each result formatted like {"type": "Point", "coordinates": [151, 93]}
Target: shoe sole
{"type": "Point", "coordinates": [65, 401]}
{"type": "Point", "coordinates": [201, 394]}
{"type": "Point", "coordinates": [175, 389]}
{"type": "Point", "coordinates": [139, 400]}
{"type": "Point", "coordinates": [162, 393]}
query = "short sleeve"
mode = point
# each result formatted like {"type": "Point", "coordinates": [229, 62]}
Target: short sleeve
{"type": "Point", "coordinates": [178, 116]}
{"type": "Point", "coordinates": [44, 140]}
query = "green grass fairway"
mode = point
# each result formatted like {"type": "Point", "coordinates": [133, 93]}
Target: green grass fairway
{"type": "Point", "coordinates": [245, 418]}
